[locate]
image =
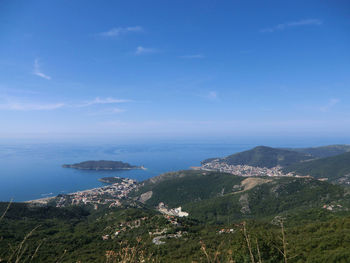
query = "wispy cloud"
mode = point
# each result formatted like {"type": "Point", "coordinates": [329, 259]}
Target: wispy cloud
{"type": "Point", "coordinates": [143, 50]}
{"type": "Point", "coordinates": [37, 71]}
{"type": "Point", "coordinates": [23, 104]}
{"type": "Point", "coordinates": [20, 106]}
{"type": "Point", "coordinates": [117, 31]}
{"type": "Point", "coordinates": [331, 103]}
{"type": "Point", "coordinates": [196, 56]}
{"type": "Point", "coordinates": [283, 26]}
{"type": "Point", "coordinates": [99, 100]}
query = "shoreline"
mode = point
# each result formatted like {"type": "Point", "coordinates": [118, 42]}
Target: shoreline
{"type": "Point", "coordinates": [45, 200]}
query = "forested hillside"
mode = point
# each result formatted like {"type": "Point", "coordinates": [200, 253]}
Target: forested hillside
{"type": "Point", "coordinates": [335, 168]}
{"type": "Point", "coordinates": [263, 156]}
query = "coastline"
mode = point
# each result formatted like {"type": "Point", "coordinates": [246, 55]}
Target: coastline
{"type": "Point", "coordinates": [116, 191]}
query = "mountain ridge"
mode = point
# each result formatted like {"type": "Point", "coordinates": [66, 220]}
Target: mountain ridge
{"type": "Point", "coordinates": [263, 156]}
{"type": "Point", "coordinates": [335, 168]}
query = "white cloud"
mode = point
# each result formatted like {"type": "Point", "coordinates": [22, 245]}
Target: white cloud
{"type": "Point", "coordinates": [142, 50]}
{"type": "Point", "coordinates": [117, 31]}
{"type": "Point", "coordinates": [331, 103]}
{"type": "Point", "coordinates": [304, 22]}
{"type": "Point", "coordinates": [98, 100]}
{"type": "Point", "coordinates": [193, 56]}
{"type": "Point", "coordinates": [37, 71]}
{"type": "Point", "coordinates": [19, 106]}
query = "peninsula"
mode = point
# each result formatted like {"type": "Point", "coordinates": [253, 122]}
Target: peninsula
{"type": "Point", "coordinates": [102, 165]}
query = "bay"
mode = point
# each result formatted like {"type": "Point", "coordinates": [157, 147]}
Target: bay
{"type": "Point", "coordinates": [32, 171]}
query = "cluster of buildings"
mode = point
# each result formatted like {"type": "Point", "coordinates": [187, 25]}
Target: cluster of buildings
{"type": "Point", "coordinates": [243, 170]}
{"type": "Point", "coordinates": [162, 234]}
{"type": "Point", "coordinates": [157, 240]}
{"type": "Point", "coordinates": [107, 195]}
{"type": "Point", "coordinates": [157, 235]}
{"type": "Point", "coordinates": [122, 227]}
{"type": "Point", "coordinates": [171, 212]}
{"type": "Point", "coordinates": [226, 231]}
{"type": "Point", "coordinates": [332, 207]}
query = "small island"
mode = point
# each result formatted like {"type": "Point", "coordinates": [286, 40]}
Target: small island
{"type": "Point", "coordinates": [102, 165]}
{"type": "Point", "coordinates": [111, 180]}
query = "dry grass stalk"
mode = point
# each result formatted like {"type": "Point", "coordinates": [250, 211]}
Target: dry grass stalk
{"type": "Point", "coordinates": [248, 242]}
{"type": "Point", "coordinates": [60, 259]}
{"type": "Point", "coordinates": [128, 254]}
{"type": "Point", "coordinates": [203, 248]}
{"type": "Point", "coordinates": [7, 208]}
{"type": "Point", "coordinates": [284, 243]}
{"type": "Point", "coordinates": [20, 249]}
{"type": "Point", "coordinates": [216, 254]}
{"type": "Point", "coordinates": [36, 251]}
{"type": "Point", "coordinates": [257, 247]}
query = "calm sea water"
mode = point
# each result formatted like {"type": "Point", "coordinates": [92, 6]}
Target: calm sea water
{"type": "Point", "coordinates": [33, 170]}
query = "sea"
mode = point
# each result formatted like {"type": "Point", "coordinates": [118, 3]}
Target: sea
{"type": "Point", "coordinates": [33, 170]}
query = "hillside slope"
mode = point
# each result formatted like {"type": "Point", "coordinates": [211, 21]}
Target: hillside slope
{"type": "Point", "coordinates": [276, 197]}
{"type": "Point", "coordinates": [263, 156]}
{"type": "Point", "coordinates": [323, 151]}
{"type": "Point", "coordinates": [178, 188]}
{"type": "Point", "coordinates": [218, 197]}
{"type": "Point", "coordinates": [335, 168]}
{"type": "Point", "coordinates": [79, 237]}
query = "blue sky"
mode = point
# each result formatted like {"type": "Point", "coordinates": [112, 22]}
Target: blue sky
{"type": "Point", "coordinates": [174, 68]}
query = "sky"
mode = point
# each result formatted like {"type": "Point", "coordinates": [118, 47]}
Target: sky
{"type": "Point", "coordinates": [174, 68]}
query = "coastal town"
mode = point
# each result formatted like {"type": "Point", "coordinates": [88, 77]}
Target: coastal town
{"type": "Point", "coordinates": [110, 195]}
{"type": "Point", "coordinates": [158, 235]}
{"type": "Point", "coordinates": [242, 170]}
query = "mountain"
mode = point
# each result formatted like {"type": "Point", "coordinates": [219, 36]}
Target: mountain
{"type": "Point", "coordinates": [230, 218]}
{"type": "Point", "coordinates": [101, 165]}
{"type": "Point", "coordinates": [335, 168]}
{"type": "Point", "coordinates": [131, 235]}
{"type": "Point", "coordinates": [218, 197]}
{"type": "Point", "coordinates": [178, 188]}
{"type": "Point", "coordinates": [224, 212]}
{"type": "Point", "coordinates": [263, 156]}
{"type": "Point", "coordinates": [323, 151]}
{"type": "Point", "coordinates": [269, 198]}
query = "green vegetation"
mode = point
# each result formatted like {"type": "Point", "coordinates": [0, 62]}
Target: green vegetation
{"type": "Point", "coordinates": [183, 187]}
{"type": "Point", "coordinates": [267, 200]}
{"type": "Point", "coordinates": [217, 198]}
{"type": "Point", "coordinates": [323, 151]}
{"type": "Point", "coordinates": [263, 156]}
{"type": "Point", "coordinates": [101, 165]}
{"type": "Point", "coordinates": [231, 219]}
{"type": "Point", "coordinates": [78, 237]}
{"type": "Point", "coordinates": [111, 180]}
{"type": "Point", "coordinates": [335, 168]}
